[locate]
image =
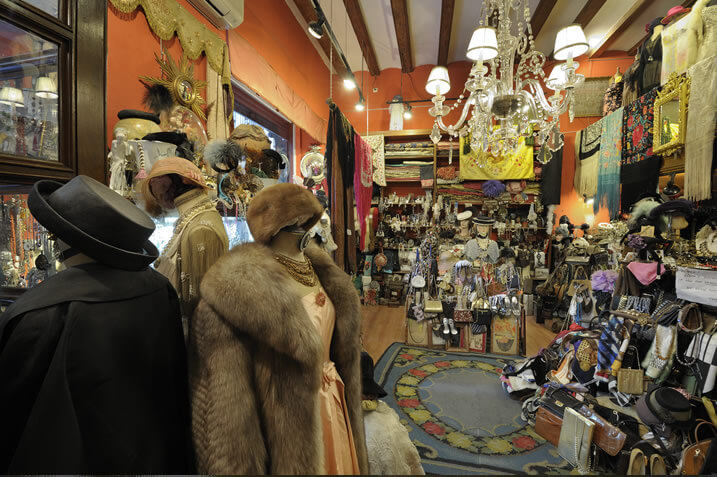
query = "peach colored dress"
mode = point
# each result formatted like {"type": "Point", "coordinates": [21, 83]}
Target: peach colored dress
{"type": "Point", "coordinates": [339, 449]}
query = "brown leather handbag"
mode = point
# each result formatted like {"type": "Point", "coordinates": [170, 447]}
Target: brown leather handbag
{"type": "Point", "coordinates": [695, 455]}
{"type": "Point", "coordinates": [548, 425]}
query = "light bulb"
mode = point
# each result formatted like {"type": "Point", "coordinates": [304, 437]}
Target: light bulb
{"type": "Point", "coordinates": [349, 83]}
{"type": "Point", "coordinates": [407, 114]}
{"type": "Point", "coordinates": [360, 106]}
{"type": "Point", "coordinates": [316, 29]}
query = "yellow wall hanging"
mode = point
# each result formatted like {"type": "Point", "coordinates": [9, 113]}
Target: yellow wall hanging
{"type": "Point", "coordinates": [515, 166]}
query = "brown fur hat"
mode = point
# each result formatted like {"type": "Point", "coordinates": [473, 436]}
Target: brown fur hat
{"type": "Point", "coordinates": [279, 206]}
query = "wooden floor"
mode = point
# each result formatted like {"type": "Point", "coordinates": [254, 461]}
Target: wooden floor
{"type": "Point", "coordinates": [384, 325]}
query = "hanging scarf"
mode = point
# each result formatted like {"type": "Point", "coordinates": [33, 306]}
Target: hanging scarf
{"type": "Point", "coordinates": [608, 180]}
{"type": "Point", "coordinates": [699, 134]}
{"type": "Point", "coordinates": [363, 183]}
{"type": "Point", "coordinates": [379, 162]}
{"type": "Point", "coordinates": [587, 145]}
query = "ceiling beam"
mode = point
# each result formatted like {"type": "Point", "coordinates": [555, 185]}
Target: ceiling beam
{"type": "Point", "coordinates": [403, 34]}
{"type": "Point", "coordinates": [540, 16]}
{"type": "Point", "coordinates": [619, 28]}
{"type": "Point", "coordinates": [588, 12]}
{"type": "Point", "coordinates": [306, 9]}
{"type": "Point", "coordinates": [353, 8]}
{"type": "Point", "coordinates": [633, 50]}
{"type": "Point", "coordinates": [444, 38]}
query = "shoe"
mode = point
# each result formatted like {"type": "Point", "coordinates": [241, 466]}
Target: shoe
{"type": "Point", "coordinates": [516, 306]}
{"type": "Point", "coordinates": [504, 305]}
{"type": "Point", "coordinates": [494, 304]}
{"type": "Point", "coordinates": [638, 463]}
{"type": "Point", "coordinates": [657, 465]}
{"type": "Point", "coordinates": [446, 331]}
{"type": "Point", "coordinates": [454, 331]}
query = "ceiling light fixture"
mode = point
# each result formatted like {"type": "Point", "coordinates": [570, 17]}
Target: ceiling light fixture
{"type": "Point", "coordinates": [12, 97]}
{"type": "Point", "coordinates": [360, 106]}
{"type": "Point", "coordinates": [408, 114]}
{"type": "Point", "coordinates": [316, 29]}
{"type": "Point", "coordinates": [349, 83]}
{"type": "Point", "coordinates": [503, 91]}
{"type": "Point", "coordinates": [45, 87]}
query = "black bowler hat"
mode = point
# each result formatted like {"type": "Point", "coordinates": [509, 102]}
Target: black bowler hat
{"type": "Point", "coordinates": [369, 387]}
{"type": "Point", "coordinates": [96, 221]}
{"type": "Point", "coordinates": [137, 114]}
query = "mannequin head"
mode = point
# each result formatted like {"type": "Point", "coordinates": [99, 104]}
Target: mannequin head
{"type": "Point", "coordinates": [168, 179]}
{"type": "Point", "coordinates": [483, 230]}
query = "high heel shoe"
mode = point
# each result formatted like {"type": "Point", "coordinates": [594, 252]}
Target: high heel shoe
{"type": "Point", "coordinates": [515, 306]}
{"type": "Point", "coordinates": [454, 331]}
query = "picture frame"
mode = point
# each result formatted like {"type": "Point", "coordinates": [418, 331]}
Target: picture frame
{"type": "Point", "coordinates": [460, 341]}
{"type": "Point", "coordinates": [589, 96]}
{"type": "Point", "coordinates": [671, 104]}
{"type": "Point", "coordinates": [477, 343]}
{"type": "Point", "coordinates": [505, 337]}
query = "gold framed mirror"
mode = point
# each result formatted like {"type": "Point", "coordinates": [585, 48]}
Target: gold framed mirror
{"type": "Point", "coordinates": [671, 116]}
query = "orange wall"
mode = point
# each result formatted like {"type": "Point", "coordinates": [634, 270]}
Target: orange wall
{"type": "Point", "coordinates": [269, 26]}
{"type": "Point", "coordinates": [388, 84]}
{"type": "Point", "coordinates": [131, 46]}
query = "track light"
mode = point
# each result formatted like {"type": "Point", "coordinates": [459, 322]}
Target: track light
{"type": "Point", "coordinates": [408, 114]}
{"type": "Point", "coordinates": [360, 105]}
{"type": "Point", "coordinates": [349, 83]}
{"type": "Point", "coordinates": [316, 29]}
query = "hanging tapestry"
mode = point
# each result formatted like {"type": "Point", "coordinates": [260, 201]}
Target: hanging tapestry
{"type": "Point", "coordinates": [637, 121]}
{"type": "Point", "coordinates": [484, 166]}
{"type": "Point", "coordinates": [379, 172]}
{"type": "Point", "coordinates": [363, 183]}
{"type": "Point", "coordinates": [589, 97]}
{"type": "Point", "coordinates": [608, 181]}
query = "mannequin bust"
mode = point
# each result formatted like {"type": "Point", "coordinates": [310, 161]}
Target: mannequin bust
{"type": "Point", "coordinates": [277, 330]}
{"type": "Point", "coordinates": [199, 237]}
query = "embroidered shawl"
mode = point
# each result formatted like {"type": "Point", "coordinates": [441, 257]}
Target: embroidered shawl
{"type": "Point", "coordinates": [699, 134]}
{"type": "Point", "coordinates": [379, 168]}
{"type": "Point", "coordinates": [637, 121]}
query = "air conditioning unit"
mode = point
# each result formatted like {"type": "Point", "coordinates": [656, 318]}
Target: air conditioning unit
{"type": "Point", "coordinates": [223, 14]}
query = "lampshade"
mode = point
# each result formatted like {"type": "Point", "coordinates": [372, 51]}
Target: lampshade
{"type": "Point", "coordinates": [45, 87]}
{"type": "Point", "coordinates": [438, 80]}
{"type": "Point", "coordinates": [483, 45]}
{"type": "Point", "coordinates": [11, 96]}
{"type": "Point", "coordinates": [570, 41]}
{"type": "Point", "coordinates": [556, 78]}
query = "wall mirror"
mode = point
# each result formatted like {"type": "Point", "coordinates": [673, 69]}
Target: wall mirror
{"type": "Point", "coordinates": [671, 115]}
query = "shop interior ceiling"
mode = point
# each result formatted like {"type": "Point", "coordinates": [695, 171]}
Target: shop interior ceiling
{"type": "Point", "coordinates": [438, 31]}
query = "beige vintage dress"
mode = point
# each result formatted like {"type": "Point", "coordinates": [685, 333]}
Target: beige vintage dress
{"type": "Point", "coordinates": [198, 241]}
{"type": "Point", "coordinates": [339, 449]}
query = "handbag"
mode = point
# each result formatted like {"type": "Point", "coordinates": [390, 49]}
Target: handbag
{"type": "Point", "coordinates": [576, 436]}
{"type": "Point", "coordinates": [462, 316]}
{"type": "Point", "coordinates": [548, 425]}
{"type": "Point", "coordinates": [631, 381]}
{"type": "Point", "coordinates": [433, 306]}
{"type": "Point", "coordinates": [695, 455]}
{"type": "Point", "coordinates": [580, 282]}
{"type": "Point", "coordinates": [417, 333]}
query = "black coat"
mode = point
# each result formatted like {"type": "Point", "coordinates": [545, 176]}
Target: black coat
{"type": "Point", "coordinates": [93, 376]}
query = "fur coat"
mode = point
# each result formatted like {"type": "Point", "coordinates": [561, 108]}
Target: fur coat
{"type": "Point", "coordinates": [255, 366]}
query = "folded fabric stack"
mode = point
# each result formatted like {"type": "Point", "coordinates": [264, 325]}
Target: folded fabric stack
{"type": "Point", "coordinates": [409, 149]}
{"type": "Point", "coordinates": [405, 172]}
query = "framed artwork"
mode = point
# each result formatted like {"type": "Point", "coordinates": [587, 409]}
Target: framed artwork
{"type": "Point", "coordinates": [417, 332]}
{"type": "Point", "coordinates": [589, 96]}
{"type": "Point", "coordinates": [477, 341]}
{"type": "Point", "coordinates": [458, 342]}
{"type": "Point", "coordinates": [438, 339]}
{"type": "Point", "coordinates": [504, 335]}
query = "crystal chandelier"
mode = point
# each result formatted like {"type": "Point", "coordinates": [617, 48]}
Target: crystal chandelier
{"type": "Point", "coordinates": [506, 96]}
